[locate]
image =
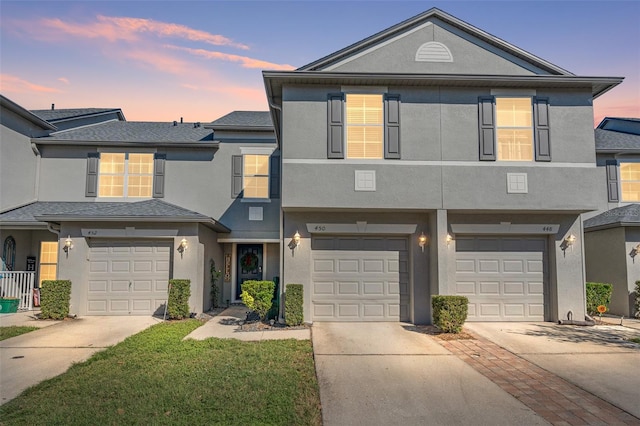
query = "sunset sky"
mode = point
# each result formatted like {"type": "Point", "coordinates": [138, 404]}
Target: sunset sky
{"type": "Point", "coordinates": [160, 61]}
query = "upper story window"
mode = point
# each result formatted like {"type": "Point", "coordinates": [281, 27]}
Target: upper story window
{"type": "Point", "coordinates": [630, 182]}
{"type": "Point", "coordinates": [256, 176]}
{"type": "Point", "coordinates": [125, 175]}
{"type": "Point", "coordinates": [514, 129]}
{"type": "Point", "coordinates": [364, 126]}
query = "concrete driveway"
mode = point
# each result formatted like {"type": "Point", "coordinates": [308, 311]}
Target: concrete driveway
{"type": "Point", "coordinates": [29, 359]}
{"type": "Point", "coordinates": [386, 374]}
{"type": "Point", "coordinates": [597, 359]}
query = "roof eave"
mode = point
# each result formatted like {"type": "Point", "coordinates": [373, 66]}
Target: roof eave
{"type": "Point", "coordinates": [190, 144]}
{"type": "Point", "coordinates": [118, 111]}
{"type": "Point", "coordinates": [610, 226]}
{"type": "Point", "coordinates": [123, 218]}
{"type": "Point", "coordinates": [239, 128]}
{"type": "Point", "coordinates": [17, 109]}
{"type": "Point", "coordinates": [23, 224]}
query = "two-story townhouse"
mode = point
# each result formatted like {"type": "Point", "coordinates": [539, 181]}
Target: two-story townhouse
{"type": "Point", "coordinates": [612, 237]}
{"type": "Point", "coordinates": [123, 207]}
{"type": "Point", "coordinates": [435, 158]}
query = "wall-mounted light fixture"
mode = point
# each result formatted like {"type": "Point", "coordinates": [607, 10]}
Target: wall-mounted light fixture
{"type": "Point", "coordinates": [634, 252]}
{"type": "Point", "coordinates": [68, 245]}
{"type": "Point", "coordinates": [422, 241]}
{"type": "Point", "coordinates": [295, 241]}
{"type": "Point", "coordinates": [182, 247]}
{"type": "Point", "coordinates": [568, 241]}
{"type": "Point", "coordinates": [449, 239]}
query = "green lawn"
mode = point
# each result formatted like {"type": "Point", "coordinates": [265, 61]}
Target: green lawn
{"type": "Point", "coordinates": [635, 340]}
{"type": "Point", "coordinates": [156, 378]}
{"type": "Point", "coordinates": [13, 331]}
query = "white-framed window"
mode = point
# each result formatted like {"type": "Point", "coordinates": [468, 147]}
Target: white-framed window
{"type": "Point", "coordinates": [125, 175]}
{"type": "Point", "coordinates": [514, 128]}
{"type": "Point", "coordinates": [255, 176]}
{"type": "Point", "coordinates": [48, 261]}
{"type": "Point", "coordinates": [364, 126]}
{"type": "Point", "coordinates": [630, 182]}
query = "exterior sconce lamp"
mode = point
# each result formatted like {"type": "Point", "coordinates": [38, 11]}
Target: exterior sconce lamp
{"type": "Point", "coordinates": [449, 239]}
{"type": "Point", "coordinates": [182, 247]}
{"type": "Point", "coordinates": [568, 242]}
{"type": "Point", "coordinates": [422, 241]}
{"type": "Point", "coordinates": [634, 252]}
{"type": "Point", "coordinates": [295, 241]}
{"type": "Point", "coordinates": [68, 245]}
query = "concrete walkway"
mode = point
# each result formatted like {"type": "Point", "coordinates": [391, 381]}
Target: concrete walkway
{"type": "Point", "coordinates": [230, 325]}
{"type": "Point", "coordinates": [389, 374]}
{"type": "Point", "coordinates": [28, 359]}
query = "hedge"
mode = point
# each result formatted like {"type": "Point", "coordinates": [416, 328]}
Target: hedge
{"type": "Point", "coordinates": [293, 313]}
{"type": "Point", "coordinates": [449, 312]}
{"type": "Point", "coordinates": [637, 301]}
{"type": "Point", "coordinates": [598, 294]}
{"type": "Point", "coordinates": [55, 298]}
{"type": "Point", "coordinates": [257, 296]}
{"type": "Point", "coordinates": [178, 303]}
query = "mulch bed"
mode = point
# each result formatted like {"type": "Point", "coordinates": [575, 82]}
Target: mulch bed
{"type": "Point", "coordinates": [439, 334]}
{"type": "Point", "coordinates": [261, 326]}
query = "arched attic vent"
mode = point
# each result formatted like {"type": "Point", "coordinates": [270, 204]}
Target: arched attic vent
{"type": "Point", "coordinates": [433, 52]}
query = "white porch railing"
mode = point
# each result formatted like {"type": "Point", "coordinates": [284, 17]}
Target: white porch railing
{"type": "Point", "coordinates": [19, 285]}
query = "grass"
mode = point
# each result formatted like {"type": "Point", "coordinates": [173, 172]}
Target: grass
{"type": "Point", "coordinates": [155, 377]}
{"type": "Point", "coordinates": [635, 340]}
{"type": "Point", "coordinates": [14, 330]}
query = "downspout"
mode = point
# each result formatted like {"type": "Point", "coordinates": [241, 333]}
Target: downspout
{"type": "Point", "coordinates": [36, 185]}
{"type": "Point", "coordinates": [282, 280]}
{"type": "Point", "coordinates": [51, 227]}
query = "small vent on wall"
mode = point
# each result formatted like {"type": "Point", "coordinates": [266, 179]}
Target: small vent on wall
{"type": "Point", "coordinates": [433, 52]}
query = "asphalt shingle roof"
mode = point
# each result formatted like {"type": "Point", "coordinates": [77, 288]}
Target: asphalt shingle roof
{"type": "Point", "coordinates": [620, 216]}
{"type": "Point", "coordinates": [141, 209]}
{"type": "Point", "coordinates": [52, 115]}
{"type": "Point", "coordinates": [135, 131]}
{"type": "Point", "coordinates": [612, 140]}
{"type": "Point", "coordinates": [244, 119]}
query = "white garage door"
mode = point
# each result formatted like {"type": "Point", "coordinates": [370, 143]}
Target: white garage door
{"type": "Point", "coordinates": [503, 277]}
{"type": "Point", "coordinates": [359, 279]}
{"type": "Point", "coordinates": [128, 278]}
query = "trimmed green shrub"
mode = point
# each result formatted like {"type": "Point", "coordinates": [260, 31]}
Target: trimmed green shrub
{"type": "Point", "coordinates": [598, 294]}
{"type": "Point", "coordinates": [449, 312]}
{"type": "Point", "coordinates": [257, 296]}
{"type": "Point", "coordinates": [637, 301]}
{"type": "Point", "coordinates": [55, 297]}
{"type": "Point", "coordinates": [178, 304]}
{"type": "Point", "coordinates": [293, 300]}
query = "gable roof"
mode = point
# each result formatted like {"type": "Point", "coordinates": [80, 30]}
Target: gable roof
{"type": "Point", "coordinates": [618, 135]}
{"type": "Point", "coordinates": [133, 132]}
{"type": "Point", "coordinates": [628, 215]}
{"type": "Point", "coordinates": [154, 210]}
{"type": "Point", "coordinates": [53, 115]}
{"type": "Point", "coordinates": [421, 19]}
{"type": "Point", "coordinates": [243, 120]}
{"type": "Point", "coordinates": [27, 115]}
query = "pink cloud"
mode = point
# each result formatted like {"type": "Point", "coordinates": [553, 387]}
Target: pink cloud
{"type": "Point", "coordinates": [115, 29]}
{"type": "Point", "coordinates": [64, 80]}
{"type": "Point", "coordinates": [245, 61]}
{"type": "Point", "coordinates": [12, 84]}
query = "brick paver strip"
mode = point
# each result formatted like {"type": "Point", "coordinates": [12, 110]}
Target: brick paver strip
{"type": "Point", "coordinates": [553, 398]}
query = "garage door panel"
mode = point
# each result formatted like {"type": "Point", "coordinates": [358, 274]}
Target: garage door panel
{"type": "Point", "coordinates": [367, 283]}
{"type": "Point", "coordinates": [128, 278]}
{"type": "Point", "coordinates": [503, 277]}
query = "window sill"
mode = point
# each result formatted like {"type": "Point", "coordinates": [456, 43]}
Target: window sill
{"type": "Point", "coordinates": [255, 200]}
{"type": "Point", "coordinates": [120, 199]}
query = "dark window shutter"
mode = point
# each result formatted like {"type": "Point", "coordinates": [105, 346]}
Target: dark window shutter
{"type": "Point", "coordinates": [274, 176]}
{"type": "Point", "coordinates": [613, 187]}
{"type": "Point", "coordinates": [541, 129]}
{"type": "Point", "coordinates": [392, 126]}
{"type": "Point", "coordinates": [158, 175]}
{"type": "Point", "coordinates": [236, 176]}
{"type": "Point", "coordinates": [487, 128]}
{"type": "Point", "coordinates": [93, 163]}
{"type": "Point", "coordinates": [335, 136]}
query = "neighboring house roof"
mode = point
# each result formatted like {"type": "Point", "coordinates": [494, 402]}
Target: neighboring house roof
{"type": "Point", "coordinates": [419, 20]}
{"type": "Point", "coordinates": [53, 115]}
{"type": "Point", "coordinates": [41, 212]}
{"type": "Point", "coordinates": [133, 132]}
{"type": "Point", "coordinates": [17, 109]}
{"type": "Point", "coordinates": [617, 135]}
{"type": "Point", "coordinates": [243, 120]}
{"type": "Point", "coordinates": [628, 215]}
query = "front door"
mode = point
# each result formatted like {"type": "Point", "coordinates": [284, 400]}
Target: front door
{"type": "Point", "coordinates": [249, 264]}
